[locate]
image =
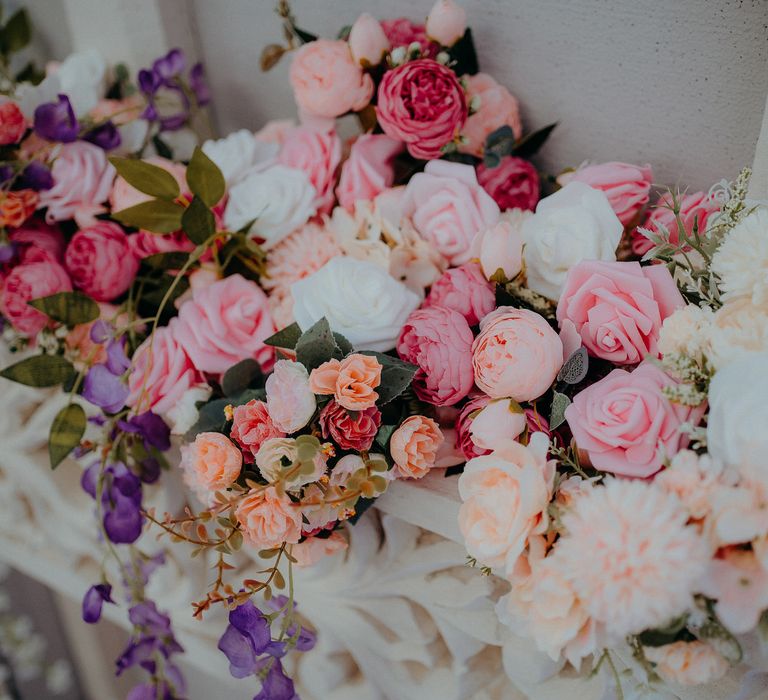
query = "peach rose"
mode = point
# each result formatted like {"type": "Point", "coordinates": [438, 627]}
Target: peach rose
{"type": "Point", "coordinates": [17, 206]}
{"type": "Point", "coordinates": [268, 519]}
{"type": "Point", "coordinates": [368, 171]}
{"type": "Point", "coordinates": [252, 425]}
{"type": "Point", "coordinates": [687, 663]}
{"type": "Point", "coordinates": [352, 381]}
{"type": "Point", "coordinates": [516, 355]}
{"type": "Point", "coordinates": [497, 107]}
{"type": "Point", "coordinates": [212, 461]}
{"type": "Point", "coordinates": [504, 501]}
{"type": "Point", "coordinates": [414, 446]}
{"type": "Point", "coordinates": [313, 549]}
{"type": "Point", "coordinates": [327, 81]}
{"type": "Point", "coordinates": [290, 401]}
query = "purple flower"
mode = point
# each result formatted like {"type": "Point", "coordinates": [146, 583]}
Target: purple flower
{"type": "Point", "coordinates": [36, 176]}
{"type": "Point", "coordinates": [199, 84]}
{"type": "Point", "coordinates": [93, 599]}
{"type": "Point", "coordinates": [104, 136]}
{"type": "Point", "coordinates": [169, 66]}
{"type": "Point", "coordinates": [7, 253]}
{"type": "Point", "coordinates": [246, 637]}
{"type": "Point", "coordinates": [56, 121]}
{"type": "Point", "coordinates": [117, 361]}
{"type": "Point", "coordinates": [6, 173]}
{"type": "Point", "coordinates": [104, 389]}
{"type": "Point", "coordinates": [277, 686]}
{"type": "Point", "coordinates": [149, 81]}
{"type": "Point", "coordinates": [101, 331]}
{"type": "Point", "coordinates": [90, 478]}
{"type": "Point", "coordinates": [120, 500]}
{"type": "Point", "coordinates": [151, 427]}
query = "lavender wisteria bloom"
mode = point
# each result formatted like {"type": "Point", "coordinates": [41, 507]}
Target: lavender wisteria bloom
{"type": "Point", "coordinates": [94, 599]}
{"type": "Point", "coordinates": [104, 389]}
{"type": "Point", "coordinates": [120, 500]}
{"type": "Point", "coordinates": [276, 685]}
{"type": "Point", "coordinates": [36, 176]}
{"type": "Point", "coordinates": [104, 136]}
{"type": "Point", "coordinates": [56, 121]}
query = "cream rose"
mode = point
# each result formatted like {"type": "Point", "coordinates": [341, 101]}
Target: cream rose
{"type": "Point", "coordinates": [239, 154]}
{"type": "Point", "coordinates": [738, 327]}
{"type": "Point", "coordinates": [574, 224]}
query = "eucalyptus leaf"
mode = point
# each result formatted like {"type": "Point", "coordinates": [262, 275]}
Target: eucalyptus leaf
{"type": "Point", "coordinates": [211, 418]}
{"type": "Point", "coordinates": [66, 432]}
{"type": "Point", "coordinates": [396, 376]}
{"type": "Point", "coordinates": [316, 345]}
{"type": "Point", "coordinates": [575, 368]}
{"type": "Point", "coordinates": [285, 338]}
{"type": "Point", "coordinates": [557, 415]}
{"type": "Point", "coordinates": [16, 33]}
{"type": "Point", "coordinates": [344, 346]}
{"type": "Point", "coordinates": [244, 375]}
{"type": "Point", "coordinates": [205, 179]}
{"type": "Point", "coordinates": [40, 371]}
{"type": "Point", "coordinates": [198, 221]}
{"type": "Point", "coordinates": [157, 216]}
{"type": "Point", "coordinates": [69, 308]}
{"type": "Point", "coordinates": [383, 435]}
{"type": "Point", "coordinates": [147, 178]}
{"type": "Point", "coordinates": [529, 145]}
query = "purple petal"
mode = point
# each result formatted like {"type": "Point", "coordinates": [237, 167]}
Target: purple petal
{"type": "Point", "coordinates": [56, 121]}
{"type": "Point", "coordinates": [105, 136]}
{"type": "Point", "coordinates": [90, 478]}
{"type": "Point", "coordinates": [135, 653]}
{"type": "Point", "coordinates": [153, 429]}
{"type": "Point", "coordinates": [7, 253]}
{"type": "Point", "coordinates": [237, 649]}
{"type": "Point", "coordinates": [6, 173]}
{"type": "Point", "coordinates": [148, 617]}
{"type": "Point", "coordinates": [277, 686]}
{"type": "Point", "coordinates": [199, 84]}
{"type": "Point", "coordinates": [93, 600]}
{"type": "Point", "coordinates": [117, 361]}
{"type": "Point", "coordinates": [104, 389]}
{"type": "Point", "coordinates": [145, 691]}
{"type": "Point", "coordinates": [170, 65]}
{"type": "Point", "coordinates": [149, 81]}
{"type": "Point", "coordinates": [123, 522]}
{"type": "Point", "coordinates": [250, 622]}
{"type": "Point", "coordinates": [101, 331]}
{"type": "Point", "coordinates": [37, 176]}
{"type": "Point", "coordinates": [150, 470]}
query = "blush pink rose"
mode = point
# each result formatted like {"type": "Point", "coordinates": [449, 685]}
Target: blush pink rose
{"type": "Point", "coordinates": [313, 549]}
{"type": "Point", "coordinates": [269, 519]}
{"type": "Point", "coordinates": [82, 181]}
{"type": "Point", "coordinates": [38, 241]}
{"type": "Point", "coordinates": [446, 22]}
{"type": "Point", "coordinates": [350, 430]}
{"type": "Point", "coordinates": [290, 401]}
{"type": "Point", "coordinates": [618, 307]}
{"type": "Point", "coordinates": [627, 186]}
{"type": "Point", "coordinates": [224, 323]}
{"type": "Point", "coordinates": [449, 209]}
{"type": "Point", "coordinates": [327, 81]}
{"type": "Point", "coordinates": [318, 153]}
{"type": "Point", "coordinates": [402, 32]}
{"type": "Point", "coordinates": [517, 354]}
{"type": "Point", "coordinates": [513, 184]}
{"type": "Point", "coordinates": [367, 41]}
{"type": "Point", "coordinates": [161, 372]}
{"type": "Point", "coordinates": [464, 289]}
{"type": "Point", "coordinates": [100, 261]}
{"type": "Point", "coordinates": [123, 195]}
{"type": "Point", "coordinates": [252, 425]}
{"type": "Point", "coordinates": [368, 171]}
{"type": "Point", "coordinates": [423, 104]}
{"type": "Point", "coordinates": [212, 462]}
{"type": "Point", "coordinates": [497, 107]}
{"type": "Point", "coordinates": [693, 207]}
{"type": "Point", "coordinates": [626, 425]}
{"type": "Point", "coordinates": [414, 447]}
{"type": "Point", "coordinates": [463, 425]}
{"type": "Point", "coordinates": [12, 123]}
{"type": "Point", "coordinates": [31, 281]}
{"type": "Point", "coordinates": [439, 342]}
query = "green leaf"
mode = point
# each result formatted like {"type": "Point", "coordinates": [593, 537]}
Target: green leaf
{"type": "Point", "coordinates": [316, 345]}
{"type": "Point", "coordinates": [211, 419]}
{"type": "Point", "coordinates": [557, 415]}
{"type": "Point", "coordinates": [147, 178]}
{"type": "Point", "coordinates": [529, 145]}
{"type": "Point", "coordinates": [162, 148]}
{"type": "Point", "coordinates": [172, 260]}
{"type": "Point", "coordinates": [285, 338]}
{"type": "Point", "coordinates": [396, 376]}
{"type": "Point", "coordinates": [198, 221]}
{"type": "Point", "coordinates": [244, 375]}
{"type": "Point", "coordinates": [205, 179]}
{"type": "Point", "coordinates": [30, 73]}
{"type": "Point", "coordinates": [69, 308]}
{"type": "Point", "coordinates": [498, 144]}
{"type": "Point", "coordinates": [344, 346]}
{"type": "Point", "coordinates": [40, 370]}
{"type": "Point", "coordinates": [383, 435]}
{"type": "Point", "coordinates": [451, 471]}
{"type": "Point", "coordinates": [17, 32]}
{"type": "Point", "coordinates": [157, 216]}
{"type": "Point", "coordinates": [575, 368]}
{"type": "Point", "coordinates": [67, 430]}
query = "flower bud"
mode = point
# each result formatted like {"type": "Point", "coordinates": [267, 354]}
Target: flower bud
{"type": "Point", "coordinates": [367, 41]}
{"type": "Point", "coordinates": [446, 22]}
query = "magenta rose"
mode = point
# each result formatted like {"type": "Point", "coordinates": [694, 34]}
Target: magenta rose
{"type": "Point", "coordinates": [618, 307]}
{"type": "Point", "coordinates": [29, 281]}
{"type": "Point", "coordinates": [100, 261]}
{"type": "Point", "coordinates": [464, 289]}
{"type": "Point", "coordinates": [439, 341]}
{"type": "Point", "coordinates": [350, 430]}
{"type": "Point", "coordinates": [369, 170]}
{"type": "Point", "coordinates": [38, 241]}
{"type": "Point", "coordinates": [423, 104]}
{"type": "Point", "coordinates": [464, 420]}
{"type": "Point", "coordinates": [402, 32]}
{"type": "Point", "coordinates": [627, 186]}
{"type": "Point", "coordinates": [513, 184]}
{"type": "Point", "coordinates": [626, 425]}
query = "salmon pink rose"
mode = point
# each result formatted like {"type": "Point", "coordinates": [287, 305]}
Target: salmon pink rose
{"type": "Point", "coordinates": [290, 401]}
{"type": "Point", "coordinates": [517, 354]}
{"type": "Point", "coordinates": [687, 663]}
{"type": "Point", "coordinates": [497, 107]}
{"type": "Point", "coordinates": [513, 184]}
{"type": "Point", "coordinates": [327, 81]}
{"type": "Point", "coordinates": [464, 289]}
{"type": "Point", "coordinates": [414, 446]}
{"type": "Point", "coordinates": [368, 171]}
{"type": "Point", "coordinates": [224, 323]}
{"type": "Point", "coordinates": [439, 342]}
{"type": "Point", "coordinates": [626, 424]}
{"type": "Point", "coordinates": [352, 381]}
{"type": "Point", "coordinates": [212, 461]}
{"type": "Point", "coordinates": [12, 123]}
{"type": "Point", "coordinates": [618, 308]}
{"type": "Point", "coordinates": [350, 430]}
{"type": "Point", "coordinates": [252, 425]}
{"type": "Point", "coordinates": [423, 104]}
{"type": "Point", "coordinates": [268, 519]}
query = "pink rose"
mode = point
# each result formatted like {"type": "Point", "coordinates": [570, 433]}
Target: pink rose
{"type": "Point", "coordinates": [414, 447]}
{"type": "Point", "coordinates": [513, 184]}
{"type": "Point", "coordinates": [449, 208]}
{"type": "Point", "coordinates": [31, 281]}
{"type": "Point", "coordinates": [626, 424]}
{"type": "Point", "coordinates": [402, 32]}
{"type": "Point", "coordinates": [421, 103]}
{"type": "Point", "coordinates": [269, 519]}
{"type": "Point", "coordinates": [327, 81]}
{"type": "Point", "coordinates": [464, 289]}
{"type": "Point", "coordinates": [500, 247]}
{"type": "Point", "coordinates": [82, 180]}
{"type": "Point", "coordinates": [290, 401]}
{"type": "Point", "coordinates": [39, 241]}
{"type": "Point", "coordinates": [497, 423]}
{"type": "Point", "coordinates": [627, 186]}
{"type": "Point", "coordinates": [225, 323]}
{"type": "Point", "coordinates": [497, 107]}
{"type": "Point", "coordinates": [439, 341]}
{"type": "Point", "coordinates": [12, 123]}
{"type": "Point", "coordinates": [350, 430]}
{"type": "Point", "coordinates": [274, 131]}
{"type": "Point", "coordinates": [252, 425]}
{"type": "Point", "coordinates": [367, 41]}
{"type": "Point", "coordinates": [696, 207]}
{"type": "Point", "coordinates": [313, 549]}
{"type": "Point", "coordinates": [446, 22]}
{"type": "Point", "coordinates": [143, 243]}
{"type": "Point", "coordinates": [211, 462]}
{"type": "Point", "coordinates": [618, 307]}
{"type": "Point", "coordinates": [161, 372]}
{"type": "Point", "coordinates": [124, 195]}
{"type": "Point", "coordinates": [464, 420]}
{"type": "Point", "coordinates": [100, 261]}
{"type": "Point", "coordinates": [517, 354]}
{"type": "Point", "coordinates": [317, 152]}
{"type": "Point", "coordinates": [368, 171]}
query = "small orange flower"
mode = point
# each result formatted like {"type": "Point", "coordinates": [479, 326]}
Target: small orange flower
{"type": "Point", "coordinates": [17, 207]}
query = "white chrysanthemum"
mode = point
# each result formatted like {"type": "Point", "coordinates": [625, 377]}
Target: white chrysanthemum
{"type": "Point", "coordinates": [741, 261]}
{"type": "Point", "coordinates": [686, 331]}
{"type": "Point", "coordinates": [631, 557]}
{"type": "Point", "coordinates": [737, 328]}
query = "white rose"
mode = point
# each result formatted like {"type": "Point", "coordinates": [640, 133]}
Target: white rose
{"type": "Point", "coordinates": [738, 415]}
{"type": "Point", "coordinates": [360, 300]}
{"type": "Point", "coordinates": [574, 224]}
{"type": "Point", "coordinates": [184, 413]}
{"type": "Point", "coordinates": [277, 200]}
{"type": "Point", "coordinates": [290, 402]}
{"type": "Point", "coordinates": [239, 154]}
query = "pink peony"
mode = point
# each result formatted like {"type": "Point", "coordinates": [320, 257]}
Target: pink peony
{"type": "Point", "coordinates": [497, 107]}
{"type": "Point", "coordinates": [83, 178]}
{"type": "Point", "coordinates": [402, 32]}
{"type": "Point", "coordinates": [618, 307]}
{"type": "Point", "coordinates": [30, 281]}
{"type": "Point", "coordinates": [468, 413]}
{"type": "Point", "coordinates": [124, 195]}
{"type": "Point", "coordinates": [421, 103]}
{"type": "Point", "coordinates": [252, 425]}
{"type": "Point", "coordinates": [439, 341]}
{"type": "Point", "coordinates": [327, 81]}
{"type": "Point", "coordinates": [12, 123]}
{"type": "Point", "coordinates": [513, 184]}
{"type": "Point", "coordinates": [350, 430]}
{"type": "Point", "coordinates": [464, 289]}
{"type": "Point", "coordinates": [627, 186]}
{"type": "Point", "coordinates": [625, 423]}
{"type": "Point", "coordinates": [368, 171]}
{"type": "Point", "coordinates": [317, 152]}
{"type": "Point", "coordinates": [38, 241]}
{"type": "Point", "coordinates": [225, 323]}
{"type": "Point", "coordinates": [449, 208]}
{"type": "Point", "coordinates": [100, 261]}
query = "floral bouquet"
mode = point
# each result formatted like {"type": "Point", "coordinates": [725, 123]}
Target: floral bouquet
{"type": "Point", "coordinates": [314, 318]}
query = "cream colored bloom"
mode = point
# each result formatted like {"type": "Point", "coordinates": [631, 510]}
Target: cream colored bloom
{"type": "Point", "coordinates": [687, 663]}
{"type": "Point", "coordinates": [738, 327]}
